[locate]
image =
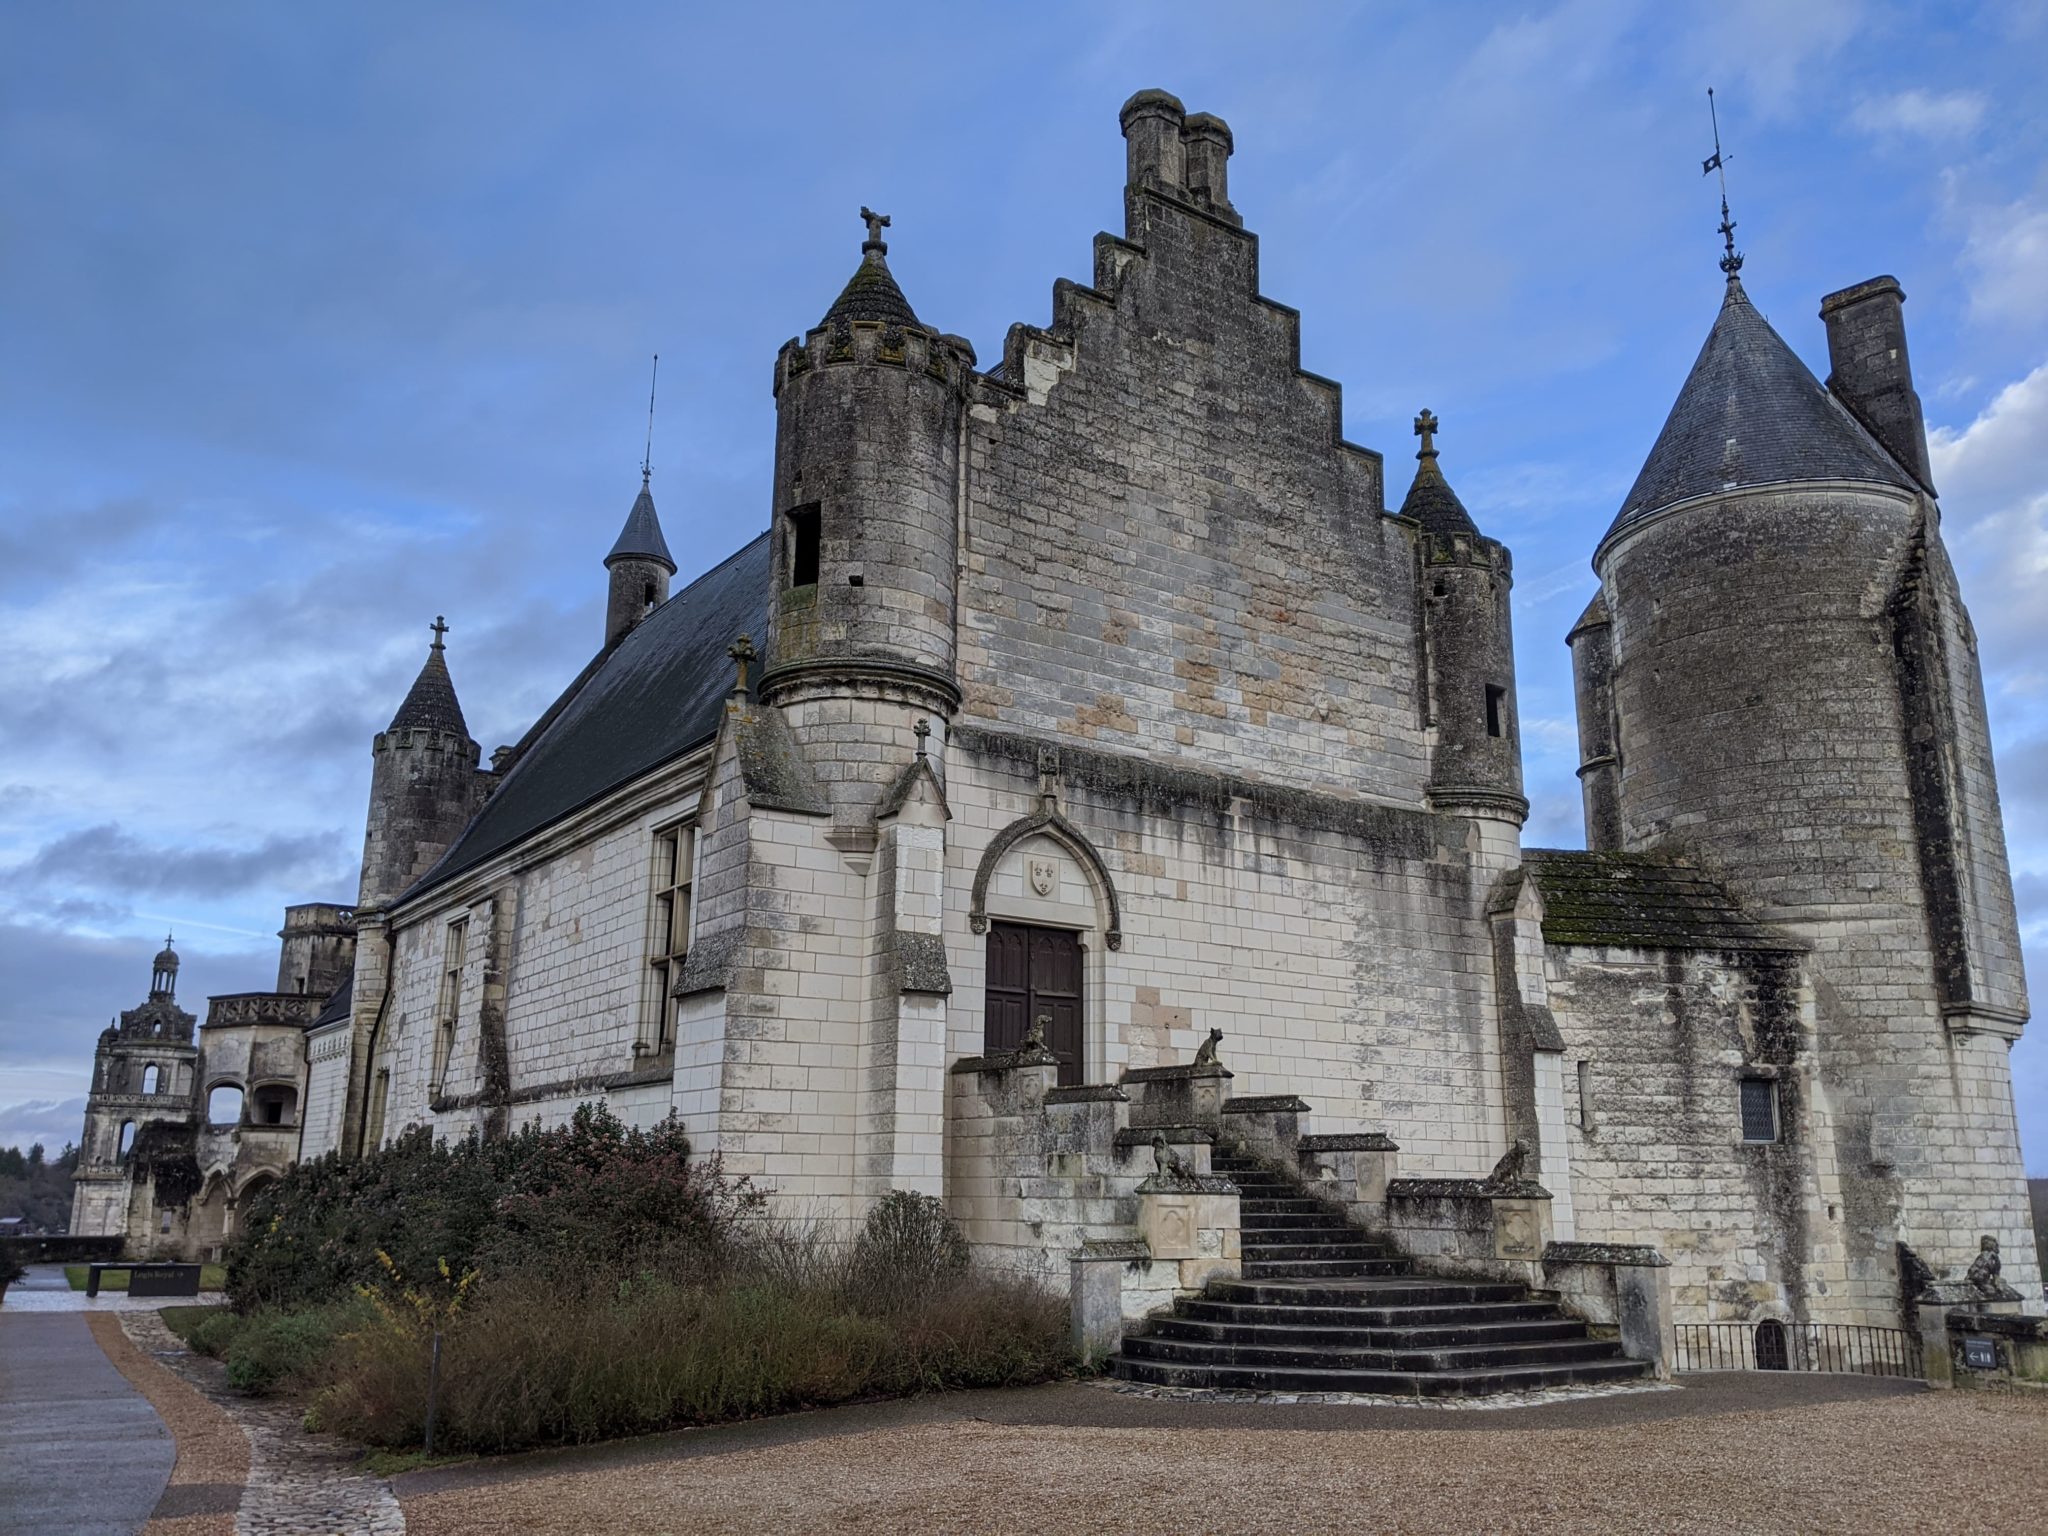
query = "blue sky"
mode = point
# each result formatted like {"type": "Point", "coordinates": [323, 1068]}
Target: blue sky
{"type": "Point", "coordinates": [318, 321]}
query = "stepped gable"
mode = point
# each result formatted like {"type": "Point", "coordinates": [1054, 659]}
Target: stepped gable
{"type": "Point", "coordinates": [1751, 414]}
{"type": "Point", "coordinates": [658, 694]}
{"type": "Point", "coordinates": [1637, 901]}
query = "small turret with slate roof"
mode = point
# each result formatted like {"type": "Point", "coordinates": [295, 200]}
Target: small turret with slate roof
{"type": "Point", "coordinates": [866, 523]}
{"type": "Point", "coordinates": [640, 568]}
{"type": "Point", "coordinates": [1475, 758]}
{"type": "Point", "coordinates": [424, 783]}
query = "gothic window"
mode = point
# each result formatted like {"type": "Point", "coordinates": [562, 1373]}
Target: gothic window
{"type": "Point", "coordinates": [224, 1105]}
{"type": "Point", "coordinates": [149, 1079]}
{"type": "Point", "coordinates": [449, 1009]}
{"type": "Point", "coordinates": [127, 1137]}
{"type": "Point", "coordinates": [805, 534]}
{"type": "Point", "coordinates": [1759, 1109]}
{"type": "Point", "coordinates": [674, 853]}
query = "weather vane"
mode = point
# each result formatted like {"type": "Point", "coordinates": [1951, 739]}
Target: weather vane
{"type": "Point", "coordinates": [647, 458]}
{"type": "Point", "coordinates": [1731, 259]}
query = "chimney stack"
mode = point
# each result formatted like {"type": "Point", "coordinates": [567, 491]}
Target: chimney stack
{"type": "Point", "coordinates": [1869, 371]}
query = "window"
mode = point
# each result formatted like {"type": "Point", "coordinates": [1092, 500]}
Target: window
{"type": "Point", "coordinates": [1585, 1095]}
{"type": "Point", "coordinates": [449, 1009]}
{"type": "Point", "coordinates": [224, 1105]}
{"type": "Point", "coordinates": [675, 851]}
{"type": "Point", "coordinates": [1759, 1109]}
{"type": "Point", "coordinates": [273, 1105]}
{"type": "Point", "coordinates": [165, 1227]}
{"type": "Point", "coordinates": [127, 1137]}
{"type": "Point", "coordinates": [804, 534]}
{"type": "Point", "coordinates": [1496, 710]}
{"type": "Point", "coordinates": [150, 1077]}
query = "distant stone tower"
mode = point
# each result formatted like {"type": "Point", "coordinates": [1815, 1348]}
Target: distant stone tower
{"type": "Point", "coordinates": [639, 567]}
{"type": "Point", "coordinates": [1476, 757]}
{"type": "Point", "coordinates": [865, 530]}
{"type": "Point", "coordinates": [1779, 676]}
{"type": "Point", "coordinates": [319, 948]}
{"type": "Point", "coordinates": [144, 1082]}
{"type": "Point", "coordinates": [424, 783]}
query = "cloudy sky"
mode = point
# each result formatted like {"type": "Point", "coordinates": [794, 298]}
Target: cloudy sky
{"type": "Point", "coordinates": [316, 321]}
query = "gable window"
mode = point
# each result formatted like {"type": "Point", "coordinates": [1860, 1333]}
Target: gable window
{"type": "Point", "coordinates": [1496, 710]}
{"type": "Point", "coordinates": [449, 1009]}
{"type": "Point", "coordinates": [675, 850]}
{"type": "Point", "coordinates": [1759, 1109]}
{"type": "Point", "coordinates": [804, 535]}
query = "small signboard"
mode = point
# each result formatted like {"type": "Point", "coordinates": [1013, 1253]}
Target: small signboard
{"type": "Point", "coordinates": [1980, 1354]}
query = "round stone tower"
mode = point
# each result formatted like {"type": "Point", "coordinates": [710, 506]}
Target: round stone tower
{"type": "Point", "coordinates": [423, 783]}
{"type": "Point", "coordinates": [1791, 695]}
{"type": "Point", "coordinates": [864, 541]}
{"type": "Point", "coordinates": [639, 569]}
{"type": "Point", "coordinates": [1476, 754]}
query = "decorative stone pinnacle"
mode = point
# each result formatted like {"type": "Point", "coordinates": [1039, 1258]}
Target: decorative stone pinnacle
{"type": "Point", "coordinates": [1425, 428]}
{"type": "Point", "coordinates": [440, 628]}
{"type": "Point", "coordinates": [921, 730]}
{"type": "Point", "coordinates": [877, 222]}
{"type": "Point", "coordinates": [741, 651]}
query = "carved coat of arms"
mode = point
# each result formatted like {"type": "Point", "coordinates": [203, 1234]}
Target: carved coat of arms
{"type": "Point", "coordinates": [1045, 874]}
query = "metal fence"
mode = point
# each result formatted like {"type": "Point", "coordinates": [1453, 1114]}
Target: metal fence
{"type": "Point", "coordinates": [1774, 1346]}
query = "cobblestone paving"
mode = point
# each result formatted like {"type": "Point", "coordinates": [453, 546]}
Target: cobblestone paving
{"type": "Point", "coordinates": [299, 1484]}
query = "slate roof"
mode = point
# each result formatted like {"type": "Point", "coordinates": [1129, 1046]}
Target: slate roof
{"type": "Point", "coordinates": [431, 704]}
{"type": "Point", "coordinates": [1432, 502]}
{"type": "Point", "coordinates": [656, 695]}
{"type": "Point", "coordinates": [1751, 414]}
{"type": "Point", "coordinates": [871, 294]}
{"type": "Point", "coordinates": [641, 537]}
{"type": "Point", "coordinates": [338, 1005]}
{"type": "Point", "coordinates": [1640, 901]}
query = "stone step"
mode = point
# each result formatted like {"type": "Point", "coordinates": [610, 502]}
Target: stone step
{"type": "Point", "coordinates": [1322, 1269]}
{"type": "Point", "coordinates": [1406, 1290]}
{"type": "Point", "coordinates": [1472, 1383]}
{"type": "Point", "coordinates": [1334, 1249]}
{"type": "Point", "coordinates": [1455, 1314]}
{"type": "Point", "coordinates": [1277, 1220]}
{"type": "Point", "coordinates": [1464, 1357]}
{"type": "Point", "coordinates": [1291, 1205]}
{"type": "Point", "coordinates": [1441, 1335]}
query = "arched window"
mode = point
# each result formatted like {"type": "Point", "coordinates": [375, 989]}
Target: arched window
{"type": "Point", "coordinates": [150, 1078]}
{"type": "Point", "coordinates": [127, 1137]}
{"type": "Point", "coordinates": [224, 1105]}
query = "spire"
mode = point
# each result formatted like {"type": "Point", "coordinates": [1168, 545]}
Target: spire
{"type": "Point", "coordinates": [431, 705]}
{"type": "Point", "coordinates": [871, 293]}
{"type": "Point", "coordinates": [641, 538]}
{"type": "Point", "coordinates": [1431, 501]}
{"type": "Point", "coordinates": [1731, 258]}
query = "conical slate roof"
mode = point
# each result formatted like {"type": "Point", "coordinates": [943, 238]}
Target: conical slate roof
{"type": "Point", "coordinates": [431, 705]}
{"type": "Point", "coordinates": [1751, 414]}
{"type": "Point", "coordinates": [871, 293]}
{"type": "Point", "coordinates": [641, 538]}
{"type": "Point", "coordinates": [1432, 502]}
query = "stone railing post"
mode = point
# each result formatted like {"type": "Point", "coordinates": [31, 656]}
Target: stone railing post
{"type": "Point", "coordinates": [1099, 1268]}
{"type": "Point", "coordinates": [1192, 1219]}
{"type": "Point", "coordinates": [1183, 1095]}
{"type": "Point", "coordinates": [1269, 1128]}
{"type": "Point", "coordinates": [1352, 1170]}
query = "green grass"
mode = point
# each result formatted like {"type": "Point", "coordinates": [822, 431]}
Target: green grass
{"type": "Point", "coordinates": [212, 1277]}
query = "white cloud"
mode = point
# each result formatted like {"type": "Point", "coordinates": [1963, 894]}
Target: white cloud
{"type": "Point", "coordinates": [1920, 114]}
{"type": "Point", "coordinates": [2006, 252]}
{"type": "Point", "coordinates": [1993, 476]}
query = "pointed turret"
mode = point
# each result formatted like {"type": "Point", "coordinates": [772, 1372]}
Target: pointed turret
{"type": "Point", "coordinates": [639, 566]}
{"type": "Point", "coordinates": [1431, 501]}
{"type": "Point", "coordinates": [424, 783]}
{"type": "Point", "coordinates": [871, 293]}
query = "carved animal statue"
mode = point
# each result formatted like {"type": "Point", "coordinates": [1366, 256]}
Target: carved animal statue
{"type": "Point", "coordinates": [1512, 1168]}
{"type": "Point", "coordinates": [1205, 1055]}
{"type": "Point", "coordinates": [1170, 1163]}
{"type": "Point", "coordinates": [1914, 1274]}
{"type": "Point", "coordinates": [1034, 1037]}
{"type": "Point", "coordinates": [1983, 1275]}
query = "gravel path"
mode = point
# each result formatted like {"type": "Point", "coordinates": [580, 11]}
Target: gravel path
{"type": "Point", "coordinates": [1876, 1462]}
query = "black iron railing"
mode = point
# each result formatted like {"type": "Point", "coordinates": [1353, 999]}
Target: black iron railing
{"type": "Point", "coordinates": [1770, 1345]}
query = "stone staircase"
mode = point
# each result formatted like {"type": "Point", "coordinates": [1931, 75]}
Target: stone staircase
{"type": "Point", "coordinates": [1326, 1307]}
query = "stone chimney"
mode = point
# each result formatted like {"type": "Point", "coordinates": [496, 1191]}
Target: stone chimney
{"type": "Point", "coordinates": [1869, 370]}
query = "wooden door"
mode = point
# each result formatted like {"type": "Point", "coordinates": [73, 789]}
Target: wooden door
{"type": "Point", "coordinates": [1033, 971]}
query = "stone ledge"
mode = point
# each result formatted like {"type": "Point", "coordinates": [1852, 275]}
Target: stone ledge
{"type": "Point", "coordinates": [1175, 1135]}
{"type": "Point", "coordinates": [1088, 1093]}
{"type": "Point", "coordinates": [1357, 1141]}
{"type": "Point", "coordinates": [1604, 1253]}
{"type": "Point", "coordinates": [1121, 1250]}
{"type": "Point", "coordinates": [1269, 1104]}
{"type": "Point", "coordinates": [1466, 1189]}
{"type": "Point", "coordinates": [1187, 1184]}
{"type": "Point", "coordinates": [1182, 1073]}
{"type": "Point", "coordinates": [1005, 1061]}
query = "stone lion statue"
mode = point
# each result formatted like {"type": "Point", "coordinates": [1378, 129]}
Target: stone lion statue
{"type": "Point", "coordinates": [1205, 1054]}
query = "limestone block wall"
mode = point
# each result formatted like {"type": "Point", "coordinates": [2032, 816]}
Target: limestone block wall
{"type": "Point", "coordinates": [1660, 1041]}
{"type": "Point", "coordinates": [1339, 948]}
{"type": "Point", "coordinates": [327, 1055]}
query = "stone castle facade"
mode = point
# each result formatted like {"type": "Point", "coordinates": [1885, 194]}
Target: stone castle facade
{"type": "Point", "coordinates": [1075, 707]}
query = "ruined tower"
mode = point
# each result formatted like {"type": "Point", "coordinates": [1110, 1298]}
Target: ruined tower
{"type": "Point", "coordinates": [1779, 677]}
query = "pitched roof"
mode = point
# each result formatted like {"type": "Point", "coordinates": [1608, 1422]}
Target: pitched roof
{"type": "Point", "coordinates": [1640, 901]}
{"type": "Point", "coordinates": [431, 704]}
{"type": "Point", "coordinates": [871, 294]}
{"type": "Point", "coordinates": [339, 1004]}
{"type": "Point", "coordinates": [1750, 414]}
{"type": "Point", "coordinates": [656, 695]}
{"type": "Point", "coordinates": [641, 537]}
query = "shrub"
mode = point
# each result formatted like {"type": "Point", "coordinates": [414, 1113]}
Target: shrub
{"type": "Point", "coordinates": [212, 1332]}
{"type": "Point", "coordinates": [274, 1351]}
{"type": "Point", "coordinates": [908, 1248]}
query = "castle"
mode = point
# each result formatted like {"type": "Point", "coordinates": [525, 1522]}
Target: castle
{"type": "Point", "coordinates": [1072, 708]}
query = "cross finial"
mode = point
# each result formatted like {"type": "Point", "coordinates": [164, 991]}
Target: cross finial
{"type": "Point", "coordinates": [741, 651]}
{"type": "Point", "coordinates": [877, 222]}
{"type": "Point", "coordinates": [1425, 428]}
{"type": "Point", "coordinates": [1731, 258]}
{"type": "Point", "coordinates": [440, 628]}
{"type": "Point", "coordinates": [921, 730]}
